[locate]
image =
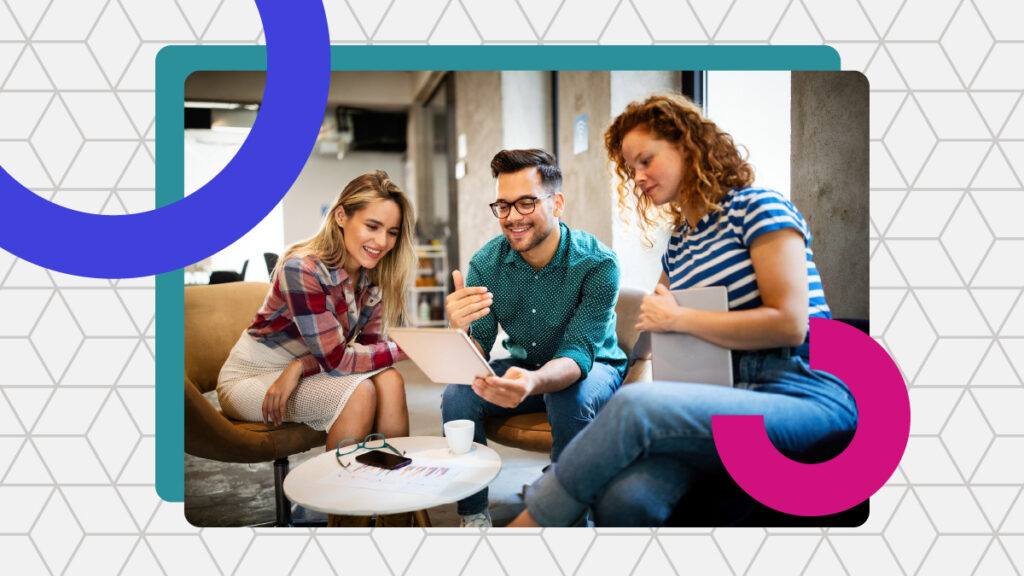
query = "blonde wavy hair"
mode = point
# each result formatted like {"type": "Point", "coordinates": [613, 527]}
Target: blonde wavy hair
{"type": "Point", "coordinates": [714, 160]}
{"type": "Point", "coordinates": [393, 274]}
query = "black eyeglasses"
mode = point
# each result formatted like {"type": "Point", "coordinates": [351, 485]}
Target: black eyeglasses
{"type": "Point", "coordinates": [524, 206]}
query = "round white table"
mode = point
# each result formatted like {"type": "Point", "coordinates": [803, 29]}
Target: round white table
{"type": "Point", "coordinates": [319, 485]}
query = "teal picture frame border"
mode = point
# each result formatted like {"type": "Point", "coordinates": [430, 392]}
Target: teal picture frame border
{"type": "Point", "coordinates": [175, 63]}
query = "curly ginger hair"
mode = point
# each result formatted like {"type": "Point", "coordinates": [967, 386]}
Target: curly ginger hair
{"type": "Point", "coordinates": [715, 164]}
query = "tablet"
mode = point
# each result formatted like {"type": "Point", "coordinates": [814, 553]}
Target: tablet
{"type": "Point", "coordinates": [446, 355]}
{"type": "Point", "coordinates": [686, 358]}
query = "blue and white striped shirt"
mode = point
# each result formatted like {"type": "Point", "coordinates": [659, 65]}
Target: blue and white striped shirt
{"type": "Point", "coordinates": [717, 251]}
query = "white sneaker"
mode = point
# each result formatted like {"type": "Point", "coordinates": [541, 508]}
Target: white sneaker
{"type": "Point", "coordinates": [478, 520]}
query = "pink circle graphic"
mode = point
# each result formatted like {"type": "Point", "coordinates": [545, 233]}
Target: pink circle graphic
{"type": "Point", "coordinates": [883, 427]}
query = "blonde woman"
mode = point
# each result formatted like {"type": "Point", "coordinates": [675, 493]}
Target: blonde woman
{"type": "Point", "coordinates": [316, 351]}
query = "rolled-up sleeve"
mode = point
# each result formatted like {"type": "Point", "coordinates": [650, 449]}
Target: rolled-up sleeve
{"type": "Point", "coordinates": [592, 316]}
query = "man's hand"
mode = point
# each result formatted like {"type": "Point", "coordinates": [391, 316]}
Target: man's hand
{"type": "Point", "coordinates": [658, 311]}
{"type": "Point", "coordinates": [277, 395]}
{"type": "Point", "coordinates": [465, 305]}
{"type": "Point", "coordinates": [509, 390]}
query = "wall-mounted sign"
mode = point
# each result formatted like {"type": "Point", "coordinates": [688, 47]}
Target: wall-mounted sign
{"type": "Point", "coordinates": [579, 134]}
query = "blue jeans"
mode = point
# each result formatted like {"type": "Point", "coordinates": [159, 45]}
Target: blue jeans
{"type": "Point", "coordinates": [653, 439]}
{"type": "Point", "coordinates": [569, 411]}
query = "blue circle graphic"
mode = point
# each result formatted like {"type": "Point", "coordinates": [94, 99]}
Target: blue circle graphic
{"type": "Point", "coordinates": [235, 200]}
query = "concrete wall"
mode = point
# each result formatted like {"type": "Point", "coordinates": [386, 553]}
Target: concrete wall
{"type": "Point", "coordinates": [420, 137]}
{"type": "Point", "coordinates": [830, 181]}
{"type": "Point", "coordinates": [424, 82]}
{"type": "Point", "coordinates": [413, 152]}
{"type": "Point", "coordinates": [585, 176]}
{"type": "Point", "coordinates": [478, 115]}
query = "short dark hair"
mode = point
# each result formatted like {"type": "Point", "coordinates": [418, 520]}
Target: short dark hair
{"type": "Point", "coordinates": [509, 161]}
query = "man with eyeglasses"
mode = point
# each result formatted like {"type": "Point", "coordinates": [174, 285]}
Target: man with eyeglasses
{"type": "Point", "coordinates": [553, 291]}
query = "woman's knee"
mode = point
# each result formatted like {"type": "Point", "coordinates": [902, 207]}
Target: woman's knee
{"type": "Point", "coordinates": [390, 379]}
{"type": "Point", "coordinates": [356, 418]}
{"type": "Point", "coordinates": [364, 396]}
{"type": "Point", "coordinates": [642, 392]}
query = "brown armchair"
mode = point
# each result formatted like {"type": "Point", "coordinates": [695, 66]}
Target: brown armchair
{"type": "Point", "coordinates": [532, 431]}
{"type": "Point", "coordinates": [215, 316]}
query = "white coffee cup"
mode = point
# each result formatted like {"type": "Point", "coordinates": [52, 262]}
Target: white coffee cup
{"type": "Point", "coordinates": [460, 435]}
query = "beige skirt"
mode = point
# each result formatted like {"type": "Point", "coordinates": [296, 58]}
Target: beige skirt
{"type": "Point", "coordinates": [251, 369]}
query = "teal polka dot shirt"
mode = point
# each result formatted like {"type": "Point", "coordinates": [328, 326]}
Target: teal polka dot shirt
{"type": "Point", "coordinates": [564, 310]}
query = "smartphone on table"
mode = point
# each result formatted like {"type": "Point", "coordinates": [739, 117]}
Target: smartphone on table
{"type": "Point", "coordinates": [382, 459]}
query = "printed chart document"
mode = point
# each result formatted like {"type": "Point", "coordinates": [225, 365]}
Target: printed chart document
{"type": "Point", "coordinates": [423, 476]}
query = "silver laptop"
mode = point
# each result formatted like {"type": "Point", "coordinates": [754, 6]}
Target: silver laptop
{"type": "Point", "coordinates": [686, 358]}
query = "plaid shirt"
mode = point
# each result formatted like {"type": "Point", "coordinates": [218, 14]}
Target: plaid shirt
{"type": "Point", "coordinates": [316, 314]}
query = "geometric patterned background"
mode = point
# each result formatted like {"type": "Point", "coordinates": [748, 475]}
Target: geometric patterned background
{"type": "Point", "coordinates": [947, 272]}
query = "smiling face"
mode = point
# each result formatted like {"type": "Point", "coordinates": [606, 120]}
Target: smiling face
{"type": "Point", "coordinates": [370, 233]}
{"type": "Point", "coordinates": [526, 232]}
{"type": "Point", "coordinates": [657, 164]}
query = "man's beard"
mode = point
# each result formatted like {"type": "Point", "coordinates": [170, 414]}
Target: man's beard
{"type": "Point", "coordinates": [532, 240]}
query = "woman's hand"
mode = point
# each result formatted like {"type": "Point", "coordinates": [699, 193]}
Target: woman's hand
{"type": "Point", "coordinates": [780, 268]}
{"type": "Point", "coordinates": [659, 311]}
{"type": "Point", "coordinates": [277, 395]}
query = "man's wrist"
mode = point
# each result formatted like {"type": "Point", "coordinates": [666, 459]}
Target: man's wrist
{"type": "Point", "coordinates": [467, 329]}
